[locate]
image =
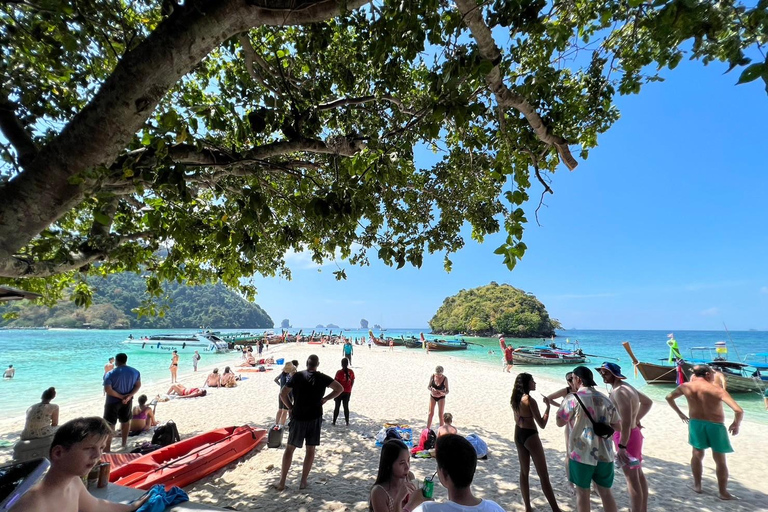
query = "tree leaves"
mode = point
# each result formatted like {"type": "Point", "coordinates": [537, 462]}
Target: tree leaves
{"type": "Point", "coordinates": [753, 72]}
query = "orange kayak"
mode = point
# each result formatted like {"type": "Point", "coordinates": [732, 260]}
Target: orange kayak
{"type": "Point", "coordinates": [189, 460]}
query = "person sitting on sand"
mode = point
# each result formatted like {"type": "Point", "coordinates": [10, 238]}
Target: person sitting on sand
{"type": "Point", "coordinates": [706, 424]}
{"type": "Point", "coordinates": [228, 380]}
{"type": "Point", "coordinates": [394, 483]}
{"type": "Point", "coordinates": [213, 380]}
{"type": "Point", "coordinates": [456, 464]}
{"type": "Point", "coordinates": [42, 418]}
{"type": "Point", "coordinates": [143, 416]}
{"type": "Point", "coordinates": [182, 392]}
{"type": "Point", "coordinates": [527, 441]}
{"type": "Point", "coordinates": [76, 448]}
{"type": "Point", "coordinates": [447, 426]}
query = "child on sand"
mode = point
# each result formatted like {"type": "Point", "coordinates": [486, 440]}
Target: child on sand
{"type": "Point", "coordinates": [394, 486]}
{"type": "Point", "coordinates": [76, 448]}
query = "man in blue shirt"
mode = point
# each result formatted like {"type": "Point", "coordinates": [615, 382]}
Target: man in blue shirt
{"type": "Point", "coordinates": [120, 385]}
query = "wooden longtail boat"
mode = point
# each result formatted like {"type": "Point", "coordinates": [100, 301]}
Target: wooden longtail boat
{"type": "Point", "coordinates": [654, 373]}
{"type": "Point", "coordinates": [447, 345]}
{"type": "Point", "coordinates": [546, 356]}
{"type": "Point", "coordinates": [739, 377]}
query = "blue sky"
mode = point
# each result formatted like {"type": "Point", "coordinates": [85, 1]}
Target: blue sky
{"type": "Point", "coordinates": [664, 227]}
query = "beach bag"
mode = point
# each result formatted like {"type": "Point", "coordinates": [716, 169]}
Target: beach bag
{"type": "Point", "coordinates": [275, 436]}
{"type": "Point", "coordinates": [145, 448]}
{"type": "Point", "coordinates": [600, 428]}
{"type": "Point", "coordinates": [166, 434]}
{"type": "Point", "coordinates": [481, 449]}
{"type": "Point", "coordinates": [430, 440]}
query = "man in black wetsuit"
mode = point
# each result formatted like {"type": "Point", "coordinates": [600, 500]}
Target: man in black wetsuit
{"type": "Point", "coordinates": [306, 412]}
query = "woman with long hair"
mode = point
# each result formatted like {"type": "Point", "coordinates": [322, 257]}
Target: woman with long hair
{"type": "Point", "coordinates": [438, 388]}
{"type": "Point", "coordinates": [174, 366]}
{"type": "Point", "coordinates": [527, 441]}
{"type": "Point", "coordinates": [346, 378]}
{"type": "Point", "coordinates": [394, 481]}
{"type": "Point", "coordinates": [143, 416]}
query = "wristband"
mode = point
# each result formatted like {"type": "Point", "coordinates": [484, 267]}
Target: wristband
{"type": "Point", "coordinates": [622, 447]}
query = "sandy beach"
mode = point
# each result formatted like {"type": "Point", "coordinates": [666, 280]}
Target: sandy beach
{"type": "Point", "coordinates": [391, 387]}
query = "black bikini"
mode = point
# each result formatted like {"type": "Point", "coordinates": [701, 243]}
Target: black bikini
{"type": "Point", "coordinates": [523, 434]}
{"type": "Point", "coordinates": [441, 387]}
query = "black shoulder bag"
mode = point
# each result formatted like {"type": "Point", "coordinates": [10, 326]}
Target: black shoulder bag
{"type": "Point", "coordinates": [601, 429]}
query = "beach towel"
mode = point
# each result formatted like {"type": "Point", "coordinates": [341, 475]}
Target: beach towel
{"type": "Point", "coordinates": [160, 499]}
{"type": "Point", "coordinates": [390, 431]}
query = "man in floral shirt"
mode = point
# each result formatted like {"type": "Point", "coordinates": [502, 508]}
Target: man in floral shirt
{"type": "Point", "coordinates": [590, 457]}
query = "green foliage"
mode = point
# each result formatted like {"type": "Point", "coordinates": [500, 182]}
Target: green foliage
{"type": "Point", "coordinates": [312, 149]}
{"type": "Point", "coordinates": [117, 299]}
{"type": "Point", "coordinates": [494, 309]}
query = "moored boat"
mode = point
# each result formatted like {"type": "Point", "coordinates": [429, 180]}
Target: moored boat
{"type": "Point", "coordinates": [204, 342]}
{"type": "Point", "coordinates": [739, 377]}
{"type": "Point", "coordinates": [189, 460]}
{"type": "Point", "coordinates": [654, 373]}
{"type": "Point", "coordinates": [547, 356]}
{"type": "Point", "coordinates": [447, 345]}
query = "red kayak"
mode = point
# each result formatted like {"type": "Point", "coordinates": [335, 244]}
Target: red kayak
{"type": "Point", "coordinates": [188, 460]}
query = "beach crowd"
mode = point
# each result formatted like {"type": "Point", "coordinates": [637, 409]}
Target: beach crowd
{"type": "Point", "coordinates": [603, 433]}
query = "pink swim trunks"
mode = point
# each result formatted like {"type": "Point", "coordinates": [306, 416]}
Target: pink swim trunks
{"type": "Point", "coordinates": [634, 445]}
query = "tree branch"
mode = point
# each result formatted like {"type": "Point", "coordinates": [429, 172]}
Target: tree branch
{"type": "Point", "coordinates": [15, 131]}
{"type": "Point", "coordinates": [364, 99]}
{"type": "Point", "coordinates": [19, 267]}
{"type": "Point", "coordinates": [250, 55]}
{"type": "Point", "coordinates": [504, 96]}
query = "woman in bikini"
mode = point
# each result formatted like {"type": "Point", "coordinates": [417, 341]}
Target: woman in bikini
{"type": "Point", "coordinates": [182, 392]}
{"type": "Point", "coordinates": [174, 366]}
{"type": "Point", "coordinates": [394, 484]}
{"type": "Point", "coordinates": [143, 416]}
{"type": "Point", "coordinates": [228, 380]}
{"type": "Point", "coordinates": [527, 441]}
{"type": "Point", "coordinates": [438, 388]}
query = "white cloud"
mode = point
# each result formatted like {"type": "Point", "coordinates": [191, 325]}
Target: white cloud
{"type": "Point", "coordinates": [710, 312]}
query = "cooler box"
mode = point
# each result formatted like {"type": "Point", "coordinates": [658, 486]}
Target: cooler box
{"type": "Point", "coordinates": [275, 436]}
{"type": "Point", "coordinates": [280, 361]}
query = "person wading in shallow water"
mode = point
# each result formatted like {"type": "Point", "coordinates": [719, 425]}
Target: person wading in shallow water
{"type": "Point", "coordinates": [706, 424]}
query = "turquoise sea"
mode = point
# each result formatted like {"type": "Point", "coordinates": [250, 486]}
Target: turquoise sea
{"type": "Point", "coordinates": [73, 360]}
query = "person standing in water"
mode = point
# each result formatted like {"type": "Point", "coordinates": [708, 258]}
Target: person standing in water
{"type": "Point", "coordinates": [632, 406]}
{"type": "Point", "coordinates": [174, 366]}
{"type": "Point", "coordinates": [195, 359]}
{"type": "Point", "coordinates": [706, 424]}
{"type": "Point", "coordinates": [527, 441]}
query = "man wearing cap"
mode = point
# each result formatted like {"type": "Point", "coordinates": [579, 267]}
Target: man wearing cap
{"type": "Point", "coordinates": [590, 457]}
{"type": "Point", "coordinates": [706, 424]}
{"type": "Point", "coordinates": [632, 406]}
{"type": "Point", "coordinates": [306, 410]}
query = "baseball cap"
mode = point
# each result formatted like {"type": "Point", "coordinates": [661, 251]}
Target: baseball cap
{"type": "Point", "coordinates": [585, 374]}
{"type": "Point", "coordinates": [613, 368]}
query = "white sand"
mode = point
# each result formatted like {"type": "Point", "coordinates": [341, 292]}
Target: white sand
{"type": "Point", "coordinates": [391, 387]}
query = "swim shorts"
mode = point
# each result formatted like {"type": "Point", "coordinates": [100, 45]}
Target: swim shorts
{"type": "Point", "coordinates": [118, 411]}
{"type": "Point", "coordinates": [300, 431]}
{"type": "Point", "coordinates": [582, 475]}
{"type": "Point", "coordinates": [634, 445]}
{"type": "Point", "coordinates": [707, 434]}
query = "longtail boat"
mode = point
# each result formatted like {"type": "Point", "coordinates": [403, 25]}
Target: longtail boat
{"type": "Point", "coordinates": [447, 345]}
{"type": "Point", "coordinates": [547, 356]}
{"type": "Point", "coordinates": [654, 373]}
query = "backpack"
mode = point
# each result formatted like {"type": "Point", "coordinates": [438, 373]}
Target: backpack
{"type": "Point", "coordinates": [392, 433]}
{"type": "Point", "coordinates": [481, 449]}
{"type": "Point", "coordinates": [166, 434]}
{"type": "Point", "coordinates": [430, 440]}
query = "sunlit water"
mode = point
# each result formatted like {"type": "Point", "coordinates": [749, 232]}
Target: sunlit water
{"type": "Point", "coordinates": [73, 360]}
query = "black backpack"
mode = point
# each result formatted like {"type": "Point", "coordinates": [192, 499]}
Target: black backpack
{"type": "Point", "coordinates": [431, 440]}
{"type": "Point", "coordinates": [166, 434]}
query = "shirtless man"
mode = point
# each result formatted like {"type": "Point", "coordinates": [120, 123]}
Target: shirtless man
{"type": "Point", "coordinates": [706, 426]}
{"type": "Point", "coordinates": [10, 372]}
{"type": "Point", "coordinates": [109, 366]}
{"type": "Point", "coordinates": [213, 380]}
{"type": "Point", "coordinates": [632, 406]}
{"type": "Point", "coordinates": [76, 447]}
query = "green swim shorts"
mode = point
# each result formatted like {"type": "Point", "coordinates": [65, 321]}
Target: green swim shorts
{"type": "Point", "coordinates": [582, 475]}
{"type": "Point", "coordinates": [707, 434]}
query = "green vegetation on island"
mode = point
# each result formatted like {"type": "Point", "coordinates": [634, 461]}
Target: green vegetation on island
{"type": "Point", "coordinates": [117, 295]}
{"type": "Point", "coordinates": [494, 309]}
